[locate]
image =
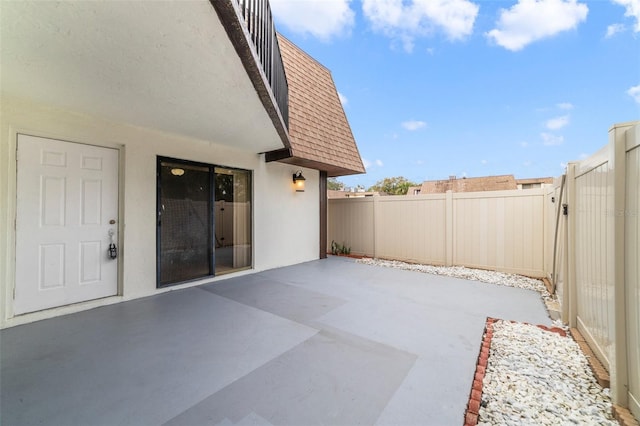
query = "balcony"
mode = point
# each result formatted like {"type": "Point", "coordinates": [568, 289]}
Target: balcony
{"type": "Point", "coordinates": [256, 43]}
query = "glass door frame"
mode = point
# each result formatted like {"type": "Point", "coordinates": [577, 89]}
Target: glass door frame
{"type": "Point", "coordinates": [212, 263]}
{"type": "Point", "coordinates": [212, 219]}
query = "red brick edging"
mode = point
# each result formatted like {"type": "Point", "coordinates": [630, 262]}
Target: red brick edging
{"type": "Point", "coordinates": [475, 396]}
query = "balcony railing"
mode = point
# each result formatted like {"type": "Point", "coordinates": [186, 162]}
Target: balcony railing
{"type": "Point", "coordinates": [259, 23]}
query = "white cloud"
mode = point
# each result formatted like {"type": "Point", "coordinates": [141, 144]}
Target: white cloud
{"type": "Point", "coordinates": [323, 19]}
{"type": "Point", "coordinates": [368, 164]}
{"type": "Point", "coordinates": [634, 92]}
{"type": "Point", "coordinates": [632, 9]}
{"type": "Point", "coordinates": [343, 99]}
{"type": "Point", "coordinates": [408, 20]}
{"type": "Point", "coordinates": [563, 166]}
{"type": "Point", "coordinates": [557, 122]}
{"type": "Point", "coordinates": [483, 162]}
{"type": "Point", "coordinates": [524, 144]}
{"type": "Point", "coordinates": [549, 139]}
{"type": "Point", "coordinates": [565, 105]}
{"type": "Point", "coordinates": [532, 20]}
{"type": "Point", "coordinates": [413, 124]}
{"type": "Point", "coordinates": [614, 29]}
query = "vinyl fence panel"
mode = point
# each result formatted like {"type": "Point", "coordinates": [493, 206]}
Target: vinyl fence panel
{"type": "Point", "coordinates": [350, 222]}
{"type": "Point", "coordinates": [594, 253]}
{"type": "Point", "coordinates": [411, 229]}
{"type": "Point", "coordinates": [632, 265]}
{"type": "Point", "coordinates": [502, 230]}
{"type": "Point", "coordinates": [601, 294]}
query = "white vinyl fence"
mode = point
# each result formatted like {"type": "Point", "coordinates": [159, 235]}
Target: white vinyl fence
{"type": "Point", "coordinates": [498, 230]}
{"type": "Point", "coordinates": [601, 282]}
{"type": "Point", "coordinates": [632, 265]}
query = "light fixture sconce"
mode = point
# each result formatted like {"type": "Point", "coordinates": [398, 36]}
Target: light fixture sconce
{"type": "Point", "coordinates": [177, 171]}
{"type": "Point", "coordinates": [298, 181]}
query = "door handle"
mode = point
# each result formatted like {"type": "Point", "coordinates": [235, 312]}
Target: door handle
{"type": "Point", "coordinates": [113, 249]}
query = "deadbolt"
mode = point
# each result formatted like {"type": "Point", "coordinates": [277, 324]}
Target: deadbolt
{"type": "Point", "coordinates": [112, 222]}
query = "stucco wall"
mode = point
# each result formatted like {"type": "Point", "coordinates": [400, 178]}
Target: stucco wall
{"type": "Point", "coordinates": [285, 223]}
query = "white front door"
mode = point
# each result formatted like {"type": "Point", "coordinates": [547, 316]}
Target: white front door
{"type": "Point", "coordinates": [67, 205]}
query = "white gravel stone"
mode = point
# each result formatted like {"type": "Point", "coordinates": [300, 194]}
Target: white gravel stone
{"type": "Point", "coordinates": [491, 277]}
{"type": "Point", "coordinates": [535, 376]}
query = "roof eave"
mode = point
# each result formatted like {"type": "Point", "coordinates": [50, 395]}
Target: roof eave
{"type": "Point", "coordinates": [333, 170]}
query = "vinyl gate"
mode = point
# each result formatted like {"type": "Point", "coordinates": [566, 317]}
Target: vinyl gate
{"type": "Point", "coordinates": [601, 284]}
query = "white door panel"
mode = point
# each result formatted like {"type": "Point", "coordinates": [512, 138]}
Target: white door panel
{"type": "Point", "coordinates": [67, 199]}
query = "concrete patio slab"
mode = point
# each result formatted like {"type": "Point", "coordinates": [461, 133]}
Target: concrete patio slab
{"type": "Point", "coordinates": [325, 342]}
{"type": "Point", "coordinates": [331, 378]}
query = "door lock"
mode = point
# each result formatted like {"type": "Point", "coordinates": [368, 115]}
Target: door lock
{"type": "Point", "coordinates": [113, 250]}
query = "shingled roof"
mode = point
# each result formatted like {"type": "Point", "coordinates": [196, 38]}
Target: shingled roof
{"type": "Point", "coordinates": [319, 132]}
{"type": "Point", "coordinates": [486, 183]}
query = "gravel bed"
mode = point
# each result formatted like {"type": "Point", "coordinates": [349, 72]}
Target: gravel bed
{"type": "Point", "coordinates": [538, 377]}
{"type": "Point", "coordinates": [491, 277]}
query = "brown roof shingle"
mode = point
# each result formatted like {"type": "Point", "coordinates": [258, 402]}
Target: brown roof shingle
{"type": "Point", "coordinates": [486, 183]}
{"type": "Point", "coordinates": [319, 132]}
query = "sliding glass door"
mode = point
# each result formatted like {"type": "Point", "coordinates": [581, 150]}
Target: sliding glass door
{"type": "Point", "coordinates": [232, 219]}
{"type": "Point", "coordinates": [203, 221]}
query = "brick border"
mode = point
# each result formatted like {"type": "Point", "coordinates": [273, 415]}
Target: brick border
{"type": "Point", "coordinates": [621, 414]}
{"type": "Point", "coordinates": [624, 416]}
{"type": "Point", "coordinates": [601, 373]}
{"type": "Point", "coordinates": [471, 414]}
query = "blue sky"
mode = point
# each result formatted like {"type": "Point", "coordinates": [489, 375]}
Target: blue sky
{"type": "Point", "coordinates": [434, 88]}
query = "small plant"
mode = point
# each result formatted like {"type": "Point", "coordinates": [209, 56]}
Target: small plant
{"type": "Point", "coordinates": [339, 249]}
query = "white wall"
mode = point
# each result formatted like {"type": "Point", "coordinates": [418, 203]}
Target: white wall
{"type": "Point", "coordinates": [285, 223]}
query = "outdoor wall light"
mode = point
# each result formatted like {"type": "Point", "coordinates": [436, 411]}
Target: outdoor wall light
{"type": "Point", "coordinates": [298, 181]}
{"type": "Point", "coordinates": [177, 172]}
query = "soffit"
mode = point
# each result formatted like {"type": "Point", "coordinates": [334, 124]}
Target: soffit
{"type": "Point", "coordinates": [168, 66]}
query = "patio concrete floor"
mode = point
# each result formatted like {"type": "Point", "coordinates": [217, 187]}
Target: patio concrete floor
{"type": "Point", "coordinates": [329, 342]}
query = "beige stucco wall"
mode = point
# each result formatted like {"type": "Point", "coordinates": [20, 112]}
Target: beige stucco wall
{"type": "Point", "coordinates": [285, 223]}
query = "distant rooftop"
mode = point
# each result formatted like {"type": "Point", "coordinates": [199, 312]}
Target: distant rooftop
{"type": "Point", "coordinates": [477, 184]}
{"type": "Point", "coordinates": [331, 193]}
